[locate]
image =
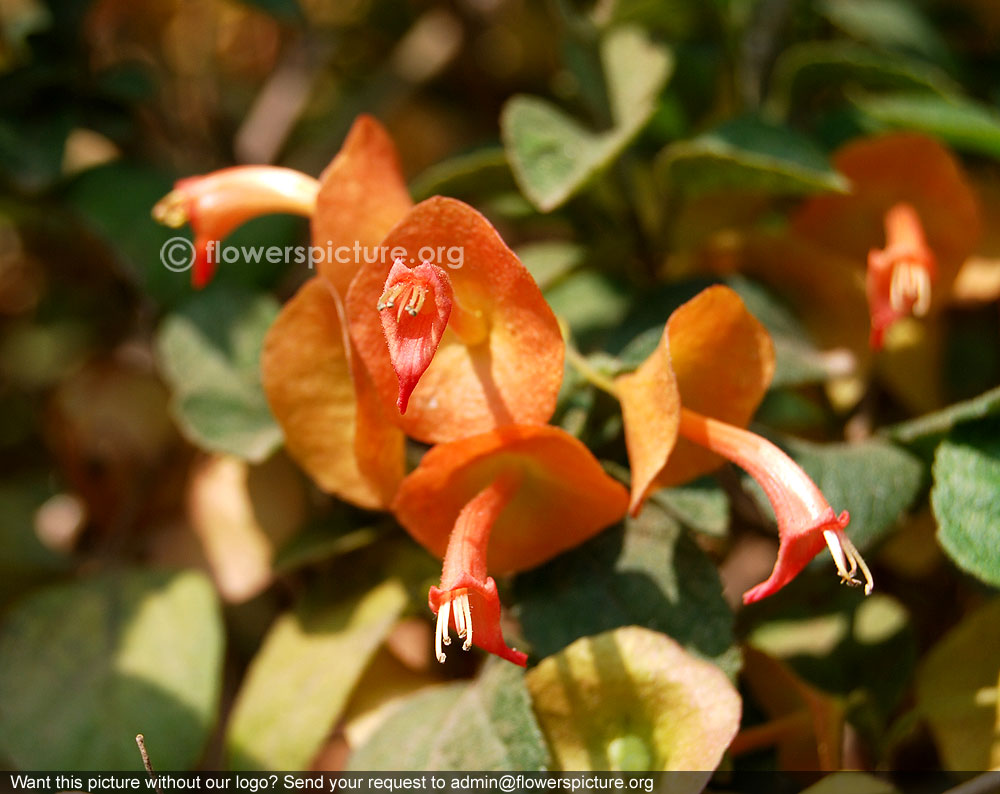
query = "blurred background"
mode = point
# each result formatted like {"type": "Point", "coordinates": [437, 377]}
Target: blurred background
{"type": "Point", "coordinates": [113, 470]}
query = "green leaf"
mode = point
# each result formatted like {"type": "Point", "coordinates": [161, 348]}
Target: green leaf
{"type": "Point", "coordinates": [23, 558]}
{"type": "Point", "coordinates": [551, 154]}
{"type": "Point", "coordinates": [32, 146]}
{"type": "Point", "coordinates": [647, 572]}
{"type": "Point", "coordinates": [797, 360]}
{"type": "Point", "coordinates": [701, 505]}
{"type": "Point", "coordinates": [635, 71]}
{"type": "Point", "coordinates": [750, 154]}
{"type": "Point", "coordinates": [318, 542]}
{"type": "Point", "coordinates": [965, 124]}
{"type": "Point", "coordinates": [209, 351]}
{"type": "Point", "coordinates": [957, 689]}
{"type": "Point", "coordinates": [485, 724]}
{"type": "Point", "coordinates": [811, 68]}
{"type": "Point", "coordinates": [85, 666]}
{"type": "Point", "coordinates": [931, 428]}
{"type": "Point", "coordinates": [299, 682]}
{"type": "Point", "coordinates": [283, 10]}
{"type": "Point", "coordinates": [849, 644]}
{"type": "Point", "coordinates": [471, 173]}
{"type": "Point", "coordinates": [887, 23]}
{"type": "Point", "coordinates": [965, 499]}
{"type": "Point", "coordinates": [592, 304]}
{"type": "Point", "coordinates": [550, 260]}
{"type": "Point", "coordinates": [873, 480]}
{"type": "Point", "coordinates": [123, 219]}
{"type": "Point", "coordinates": [634, 700]}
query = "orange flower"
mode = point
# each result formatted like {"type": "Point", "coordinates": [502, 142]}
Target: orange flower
{"type": "Point", "coordinates": [497, 357]}
{"type": "Point", "coordinates": [518, 496]}
{"type": "Point", "coordinates": [215, 204]}
{"type": "Point", "coordinates": [909, 198]}
{"type": "Point", "coordinates": [681, 415]}
{"type": "Point", "coordinates": [898, 282]}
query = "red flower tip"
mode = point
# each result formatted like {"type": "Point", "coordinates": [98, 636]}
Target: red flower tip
{"type": "Point", "coordinates": [457, 606]}
{"type": "Point", "coordinates": [898, 280]}
{"type": "Point", "coordinates": [467, 595]}
{"type": "Point", "coordinates": [805, 519]}
{"type": "Point", "coordinates": [415, 306]}
{"type": "Point", "coordinates": [216, 203]}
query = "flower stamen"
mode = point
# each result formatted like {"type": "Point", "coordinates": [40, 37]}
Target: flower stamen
{"type": "Point", "coordinates": [845, 553]}
{"type": "Point", "coordinates": [899, 277]}
{"type": "Point", "coordinates": [411, 298]}
{"type": "Point", "coordinates": [441, 632]}
{"type": "Point", "coordinates": [910, 288]}
{"type": "Point", "coordinates": [462, 611]}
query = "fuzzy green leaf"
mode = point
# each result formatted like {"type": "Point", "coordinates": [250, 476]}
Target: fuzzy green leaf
{"type": "Point", "coordinates": [209, 352]}
{"type": "Point", "coordinates": [964, 498]}
{"type": "Point", "coordinates": [86, 666]}
{"type": "Point", "coordinates": [303, 675]}
{"type": "Point", "coordinates": [749, 154]}
{"type": "Point", "coordinates": [647, 572]}
{"type": "Point", "coordinates": [486, 724]}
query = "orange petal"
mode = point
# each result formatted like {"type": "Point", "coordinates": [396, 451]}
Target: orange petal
{"type": "Point", "coordinates": [564, 497]}
{"type": "Point", "coordinates": [415, 307]}
{"type": "Point", "coordinates": [723, 359]}
{"type": "Point", "coordinates": [887, 170]}
{"type": "Point", "coordinates": [362, 196]}
{"type": "Point", "coordinates": [716, 359]}
{"type": "Point", "coordinates": [333, 427]}
{"type": "Point", "coordinates": [500, 361]}
{"type": "Point", "coordinates": [651, 411]}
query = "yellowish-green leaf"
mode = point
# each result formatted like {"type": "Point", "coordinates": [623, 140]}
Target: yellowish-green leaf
{"type": "Point", "coordinates": [633, 699]}
{"type": "Point", "coordinates": [484, 724]}
{"type": "Point", "coordinates": [85, 666]}
{"type": "Point", "coordinates": [302, 677]}
{"type": "Point", "coordinates": [635, 69]}
{"type": "Point", "coordinates": [957, 692]}
{"type": "Point", "coordinates": [851, 783]}
{"type": "Point", "coordinates": [551, 154]}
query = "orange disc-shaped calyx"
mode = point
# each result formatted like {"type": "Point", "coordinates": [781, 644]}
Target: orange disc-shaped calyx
{"type": "Point", "coordinates": [362, 195]}
{"type": "Point", "coordinates": [500, 360]}
{"type": "Point", "coordinates": [325, 404]}
{"type": "Point", "coordinates": [564, 496]}
{"type": "Point", "coordinates": [715, 358]}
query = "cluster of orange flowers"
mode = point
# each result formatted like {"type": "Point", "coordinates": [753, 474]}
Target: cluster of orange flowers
{"type": "Point", "coordinates": [374, 350]}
